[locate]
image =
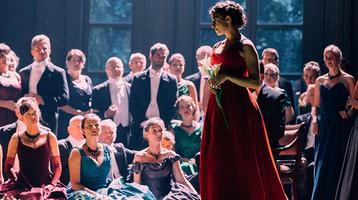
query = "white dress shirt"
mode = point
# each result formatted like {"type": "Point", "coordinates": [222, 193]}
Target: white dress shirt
{"type": "Point", "coordinates": [114, 170]}
{"type": "Point", "coordinates": [119, 97]}
{"type": "Point", "coordinates": [74, 142]}
{"type": "Point", "coordinates": [37, 69]}
{"type": "Point", "coordinates": [310, 137]}
{"type": "Point", "coordinates": [153, 109]}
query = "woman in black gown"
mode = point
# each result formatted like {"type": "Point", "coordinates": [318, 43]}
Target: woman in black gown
{"type": "Point", "coordinates": [331, 124]}
{"type": "Point", "coordinates": [159, 168]}
{"type": "Point", "coordinates": [80, 87]}
{"type": "Point", "coordinates": [348, 182]}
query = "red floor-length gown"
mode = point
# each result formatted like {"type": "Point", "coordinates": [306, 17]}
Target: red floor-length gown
{"type": "Point", "coordinates": [236, 163]}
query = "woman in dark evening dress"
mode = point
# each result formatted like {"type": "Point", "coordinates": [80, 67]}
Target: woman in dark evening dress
{"type": "Point", "coordinates": [331, 124]}
{"type": "Point", "coordinates": [159, 168]}
{"type": "Point", "coordinates": [236, 161]}
{"type": "Point", "coordinates": [10, 88]}
{"type": "Point", "coordinates": [35, 149]}
{"type": "Point", "coordinates": [80, 87]}
{"type": "Point", "coordinates": [348, 181]}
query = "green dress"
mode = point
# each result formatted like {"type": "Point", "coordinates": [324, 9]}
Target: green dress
{"type": "Point", "coordinates": [183, 89]}
{"type": "Point", "coordinates": [187, 146]}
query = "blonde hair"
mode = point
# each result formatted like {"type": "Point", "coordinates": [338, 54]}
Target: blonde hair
{"type": "Point", "coordinates": [40, 38]}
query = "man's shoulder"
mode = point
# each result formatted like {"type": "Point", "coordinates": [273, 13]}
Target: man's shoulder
{"type": "Point", "coordinates": [26, 68]}
{"type": "Point", "coordinates": [55, 68]}
{"type": "Point", "coordinates": [101, 85]}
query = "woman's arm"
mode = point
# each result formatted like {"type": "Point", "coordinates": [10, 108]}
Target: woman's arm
{"type": "Point", "coordinates": [316, 104]}
{"type": "Point", "coordinates": [137, 174]}
{"type": "Point", "coordinates": [193, 94]}
{"type": "Point", "coordinates": [252, 63]}
{"type": "Point", "coordinates": [70, 110]}
{"type": "Point", "coordinates": [10, 157]}
{"type": "Point", "coordinates": [179, 176]}
{"type": "Point", "coordinates": [1, 175]}
{"type": "Point", "coordinates": [55, 159]}
{"type": "Point", "coordinates": [10, 105]}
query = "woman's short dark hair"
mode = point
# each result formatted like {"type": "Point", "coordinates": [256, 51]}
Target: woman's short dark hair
{"type": "Point", "coordinates": [232, 9]}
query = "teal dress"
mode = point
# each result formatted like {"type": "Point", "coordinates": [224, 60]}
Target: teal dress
{"type": "Point", "coordinates": [183, 89]}
{"type": "Point", "coordinates": [95, 178]}
{"type": "Point", "coordinates": [187, 146]}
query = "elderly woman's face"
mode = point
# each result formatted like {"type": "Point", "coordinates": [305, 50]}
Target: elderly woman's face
{"type": "Point", "coordinates": [114, 69]}
{"type": "Point", "coordinates": [331, 59]}
{"type": "Point", "coordinates": [107, 135]}
{"type": "Point", "coordinates": [75, 63]}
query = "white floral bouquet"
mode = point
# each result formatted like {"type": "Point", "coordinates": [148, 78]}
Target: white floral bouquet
{"type": "Point", "coordinates": [212, 71]}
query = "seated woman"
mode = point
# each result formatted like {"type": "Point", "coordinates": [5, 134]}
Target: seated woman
{"type": "Point", "coordinates": [90, 165]}
{"type": "Point", "coordinates": [159, 168]}
{"type": "Point", "coordinates": [311, 71]}
{"type": "Point", "coordinates": [34, 148]}
{"type": "Point", "coordinates": [185, 87]}
{"type": "Point", "coordinates": [187, 134]}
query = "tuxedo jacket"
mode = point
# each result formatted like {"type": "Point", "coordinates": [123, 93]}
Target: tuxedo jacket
{"type": "Point", "coordinates": [140, 97]}
{"type": "Point", "coordinates": [128, 78]}
{"type": "Point", "coordinates": [101, 97]}
{"type": "Point", "coordinates": [272, 106]}
{"type": "Point", "coordinates": [53, 89]}
{"type": "Point", "coordinates": [195, 78]}
{"type": "Point", "coordinates": [287, 86]}
{"type": "Point", "coordinates": [123, 157]}
{"type": "Point", "coordinates": [65, 148]}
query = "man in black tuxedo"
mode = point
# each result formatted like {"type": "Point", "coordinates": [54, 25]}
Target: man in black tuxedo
{"type": "Point", "coordinates": [74, 139]}
{"type": "Point", "coordinates": [272, 105]}
{"type": "Point", "coordinates": [122, 156]}
{"type": "Point", "coordinates": [153, 94]}
{"type": "Point", "coordinates": [199, 79]}
{"type": "Point", "coordinates": [45, 81]}
{"type": "Point", "coordinates": [8, 130]}
{"type": "Point", "coordinates": [111, 98]}
{"type": "Point", "coordinates": [270, 55]}
{"type": "Point", "coordinates": [137, 63]}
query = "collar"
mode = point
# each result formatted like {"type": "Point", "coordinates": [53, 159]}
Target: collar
{"type": "Point", "coordinates": [75, 142]}
{"type": "Point", "coordinates": [154, 73]}
{"type": "Point", "coordinates": [115, 81]}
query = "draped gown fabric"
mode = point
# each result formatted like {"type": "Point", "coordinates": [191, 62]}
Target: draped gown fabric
{"type": "Point", "coordinates": [34, 170]}
{"type": "Point", "coordinates": [158, 176]}
{"type": "Point", "coordinates": [94, 177]}
{"type": "Point", "coordinates": [348, 182]}
{"type": "Point", "coordinates": [236, 163]}
{"type": "Point", "coordinates": [79, 99]}
{"type": "Point", "coordinates": [331, 140]}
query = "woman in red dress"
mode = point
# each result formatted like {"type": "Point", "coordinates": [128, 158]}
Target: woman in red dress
{"type": "Point", "coordinates": [236, 159]}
